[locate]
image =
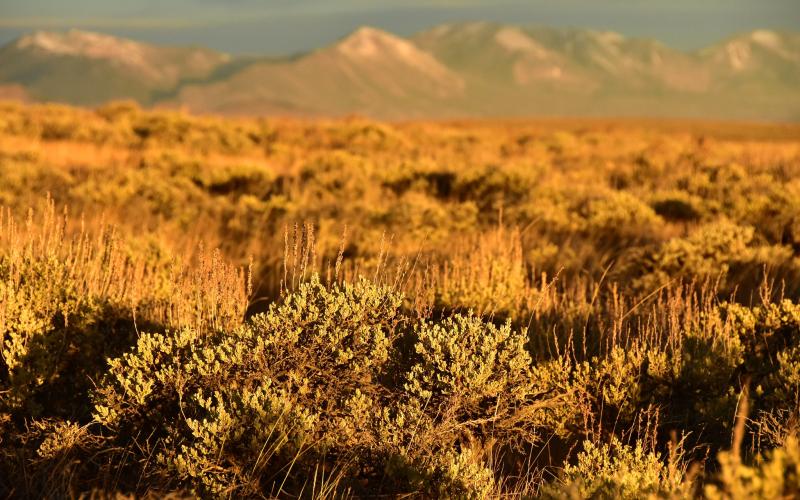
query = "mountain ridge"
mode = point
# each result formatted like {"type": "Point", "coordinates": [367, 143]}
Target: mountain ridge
{"type": "Point", "coordinates": [456, 70]}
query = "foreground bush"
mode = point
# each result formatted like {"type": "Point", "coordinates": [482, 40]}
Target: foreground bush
{"type": "Point", "coordinates": [619, 471]}
{"type": "Point", "coordinates": [339, 388]}
{"type": "Point", "coordinates": [69, 300]}
{"type": "Point", "coordinates": [776, 475]}
{"type": "Point", "coordinates": [333, 375]}
{"type": "Point", "coordinates": [235, 407]}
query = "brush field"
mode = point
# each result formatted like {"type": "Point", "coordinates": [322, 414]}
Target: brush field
{"type": "Point", "coordinates": [200, 306]}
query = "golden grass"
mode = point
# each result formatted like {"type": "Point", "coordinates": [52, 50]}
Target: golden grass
{"type": "Point", "coordinates": [551, 307]}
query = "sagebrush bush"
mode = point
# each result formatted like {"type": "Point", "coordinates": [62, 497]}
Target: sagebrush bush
{"type": "Point", "coordinates": [776, 475]}
{"type": "Point", "coordinates": [251, 398]}
{"type": "Point", "coordinates": [469, 360]}
{"type": "Point", "coordinates": [487, 274]}
{"type": "Point", "coordinates": [68, 301]}
{"type": "Point", "coordinates": [321, 377]}
{"type": "Point", "coordinates": [617, 470]}
{"type": "Point", "coordinates": [619, 218]}
{"type": "Point", "coordinates": [722, 252]}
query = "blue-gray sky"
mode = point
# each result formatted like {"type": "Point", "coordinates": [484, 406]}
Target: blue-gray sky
{"type": "Point", "coordinates": [287, 26]}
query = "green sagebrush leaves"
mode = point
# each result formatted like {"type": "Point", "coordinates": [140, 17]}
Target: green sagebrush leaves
{"type": "Point", "coordinates": [776, 475]}
{"type": "Point", "coordinates": [341, 377]}
{"type": "Point", "coordinates": [620, 471]}
{"type": "Point", "coordinates": [465, 358]}
{"type": "Point", "coordinates": [251, 396]}
{"type": "Point", "coordinates": [320, 376]}
{"type": "Point", "coordinates": [342, 373]}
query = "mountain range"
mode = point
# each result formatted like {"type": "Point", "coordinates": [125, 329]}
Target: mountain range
{"type": "Point", "coordinates": [458, 70]}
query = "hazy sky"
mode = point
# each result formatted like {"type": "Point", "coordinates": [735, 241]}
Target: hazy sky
{"type": "Point", "coordinates": [285, 26]}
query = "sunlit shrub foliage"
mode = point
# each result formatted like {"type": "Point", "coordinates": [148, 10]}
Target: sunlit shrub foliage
{"type": "Point", "coordinates": [451, 310]}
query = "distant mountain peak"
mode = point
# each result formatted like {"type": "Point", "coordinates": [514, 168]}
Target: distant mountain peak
{"type": "Point", "coordinates": [83, 43]}
{"type": "Point", "coordinates": [747, 51]}
{"type": "Point", "coordinates": [767, 38]}
{"type": "Point", "coordinates": [368, 42]}
{"type": "Point", "coordinates": [776, 43]}
{"type": "Point", "coordinates": [121, 68]}
{"type": "Point", "coordinates": [371, 45]}
{"type": "Point", "coordinates": [513, 39]}
{"type": "Point", "coordinates": [607, 37]}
